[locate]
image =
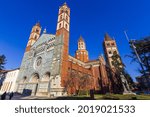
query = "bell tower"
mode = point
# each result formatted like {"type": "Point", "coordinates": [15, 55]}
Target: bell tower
{"type": "Point", "coordinates": [63, 24]}
{"type": "Point", "coordinates": [63, 28]}
{"type": "Point", "coordinates": [82, 53]}
{"type": "Point", "coordinates": [109, 48]}
{"type": "Point", "coordinates": [34, 35]}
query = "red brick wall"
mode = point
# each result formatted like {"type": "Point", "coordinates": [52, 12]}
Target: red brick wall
{"type": "Point", "coordinates": [82, 57]}
{"type": "Point", "coordinates": [64, 64]}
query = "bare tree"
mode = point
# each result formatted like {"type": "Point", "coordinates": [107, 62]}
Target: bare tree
{"type": "Point", "coordinates": [78, 82]}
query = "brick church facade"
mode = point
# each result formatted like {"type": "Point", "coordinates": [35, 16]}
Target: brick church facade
{"type": "Point", "coordinates": [47, 68]}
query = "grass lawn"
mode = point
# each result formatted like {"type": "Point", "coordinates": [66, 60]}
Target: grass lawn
{"type": "Point", "coordinates": [122, 97]}
{"type": "Point", "coordinates": [106, 97]}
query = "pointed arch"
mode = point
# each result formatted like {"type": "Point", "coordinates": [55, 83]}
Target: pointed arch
{"type": "Point", "coordinates": [34, 78]}
{"type": "Point", "coordinates": [46, 76]}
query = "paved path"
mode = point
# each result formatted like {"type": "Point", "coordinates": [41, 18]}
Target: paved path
{"type": "Point", "coordinates": [20, 97]}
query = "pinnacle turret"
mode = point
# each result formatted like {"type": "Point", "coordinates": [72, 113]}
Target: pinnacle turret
{"type": "Point", "coordinates": [107, 37]}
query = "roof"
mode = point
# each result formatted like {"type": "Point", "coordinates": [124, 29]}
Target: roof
{"type": "Point", "coordinates": [38, 24]}
{"type": "Point", "coordinates": [81, 39]}
{"type": "Point", "coordinates": [107, 37]}
{"type": "Point", "coordinates": [92, 61]}
{"type": "Point", "coordinates": [5, 71]}
{"type": "Point", "coordinates": [65, 4]}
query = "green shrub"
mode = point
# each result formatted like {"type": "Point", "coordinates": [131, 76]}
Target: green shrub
{"type": "Point", "coordinates": [110, 97]}
{"type": "Point", "coordinates": [134, 98]}
{"type": "Point", "coordinates": [83, 92]}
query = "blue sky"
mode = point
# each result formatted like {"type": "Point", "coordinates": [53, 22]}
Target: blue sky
{"type": "Point", "coordinates": [89, 18]}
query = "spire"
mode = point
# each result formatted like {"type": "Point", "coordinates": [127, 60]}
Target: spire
{"type": "Point", "coordinates": [34, 36]}
{"type": "Point", "coordinates": [81, 39]}
{"type": "Point", "coordinates": [44, 32]}
{"type": "Point", "coordinates": [65, 3]}
{"type": "Point", "coordinates": [38, 24]}
{"type": "Point", "coordinates": [102, 55]}
{"type": "Point", "coordinates": [107, 37]}
{"type": "Point", "coordinates": [82, 53]}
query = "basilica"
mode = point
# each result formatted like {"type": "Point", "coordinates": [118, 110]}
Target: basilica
{"type": "Point", "coordinates": [47, 67]}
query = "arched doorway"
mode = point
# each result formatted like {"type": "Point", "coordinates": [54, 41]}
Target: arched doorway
{"type": "Point", "coordinates": [33, 84]}
{"type": "Point", "coordinates": [44, 84]}
{"type": "Point", "coordinates": [34, 78]}
{"type": "Point", "coordinates": [46, 76]}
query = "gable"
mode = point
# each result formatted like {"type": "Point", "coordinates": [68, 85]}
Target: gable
{"type": "Point", "coordinates": [44, 38]}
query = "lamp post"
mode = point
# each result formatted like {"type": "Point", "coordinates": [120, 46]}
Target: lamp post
{"type": "Point", "coordinates": [134, 48]}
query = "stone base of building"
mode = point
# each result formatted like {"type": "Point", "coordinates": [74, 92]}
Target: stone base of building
{"type": "Point", "coordinates": [57, 92]}
{"type": "Point", "coordinates": [54, 92]}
